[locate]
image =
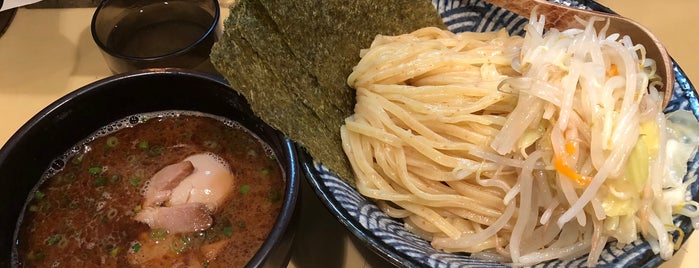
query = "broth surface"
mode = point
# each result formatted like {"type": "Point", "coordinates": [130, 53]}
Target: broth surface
{"type": "Point", "coordinates": [81, 214]}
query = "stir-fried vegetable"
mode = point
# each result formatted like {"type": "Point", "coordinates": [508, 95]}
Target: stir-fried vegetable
{"type": "Point", "coordinates": [595, 96]}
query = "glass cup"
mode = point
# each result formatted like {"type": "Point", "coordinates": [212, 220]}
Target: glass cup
{"type": "Point", "coordinates": [143, 34]}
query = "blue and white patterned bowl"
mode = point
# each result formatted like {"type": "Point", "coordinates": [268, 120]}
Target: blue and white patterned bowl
{"type": "Point", "coordinates": [389, 238]}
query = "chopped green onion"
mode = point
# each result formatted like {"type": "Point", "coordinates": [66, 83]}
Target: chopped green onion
{"type": "Point", "coordinates": [114, 252]}
{"type": "Point", "coordinates": [40, 255]}
{"type": "Point", "coordinates": [264, 171]}
{"type": "Point", "coordinates": [180, 246]}
{"type": "Point", "coordinates": [251, 153]}
{"type": "Point", "coordinates": [177, 247]}
{"type": "Point", "coordinates": [135, 181]}
{"type": "Point", "coordinates": [39, 195]}
{"type": "Point", "coordinates": [35, 256]}
{"type": "Point", "coordinates": [112, 142]}
{"type": "Point", "coordinates": [77, 159]}
{"type": "Point", "coordinates": [137, 208]}
{"type": "Point", "coordinates": [112, 213]}
{"type": "Point", "coordinates": [44, 206]}
{"type": "Point", "coordinates": [139, 173]}
{"type": "Point", "coordinates": [67, 177]}
{"type": "Point", "coordinates": [33, 208]}
{"type": "Point", "coordinates": [156, 150]}
{"type": "Point", "coordinates": [143, 145]}
{"type": "Point", "coordinates": [100, 181]}
{"type": "Point", "coordinates": [274, 196]}
{"type": "Point", "coordinates": [136, 247]}
{"type": "Point", "coordinates": [63, 243]}
{"type": "Point", "coordinates": [53, 239]}
{"type": "Point", "coordinates": [95, 170]}
{"type": "Point", "coordinates": [245, 189]}
{"type": "Point", "coordinates": [228, 231]}
{"type": "Point", "coordinates": [115, 178]}
{"type": "Point", "coordinates": [158, 234]}
{"type": "Point", "coordinates": [131, 159]}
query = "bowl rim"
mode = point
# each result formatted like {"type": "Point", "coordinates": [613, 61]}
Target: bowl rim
{"type": "Point", "coordinates": [63, 100]}
{"type": "Point", "coordinates": [375, 243]}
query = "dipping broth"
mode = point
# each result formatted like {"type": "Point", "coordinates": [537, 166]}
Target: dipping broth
{"type": "Point", "coordinates": [82, 213]}
{"type": "Point", "coordinates": [181, 23]}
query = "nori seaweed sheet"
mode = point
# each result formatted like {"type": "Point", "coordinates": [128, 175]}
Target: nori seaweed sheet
{"type": "Point", "coordinates": [291, 59]}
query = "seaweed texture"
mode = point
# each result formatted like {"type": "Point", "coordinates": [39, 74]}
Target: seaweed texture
{"type": "Point", "coordinates": [291, 59]}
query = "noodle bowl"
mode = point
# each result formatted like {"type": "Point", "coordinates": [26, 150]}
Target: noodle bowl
{"type": "Point", "coordinates": [518, 149]}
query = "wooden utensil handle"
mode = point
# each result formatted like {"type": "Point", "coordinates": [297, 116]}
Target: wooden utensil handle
{"type": "Point", "coordinates": [562, 17]}
{"type": "Point", "coordinates": [557, 16]}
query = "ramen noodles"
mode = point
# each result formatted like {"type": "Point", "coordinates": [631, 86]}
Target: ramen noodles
{"type": "Point", "coordinates": [517, 149]}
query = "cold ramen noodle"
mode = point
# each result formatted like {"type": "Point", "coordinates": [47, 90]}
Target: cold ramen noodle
{"type": "Point", "coordinates": [166, 189]}
{"type": "Point", "coordinates": [520, 149]}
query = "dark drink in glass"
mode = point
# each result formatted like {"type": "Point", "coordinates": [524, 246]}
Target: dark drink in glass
{"type": "Point", "coordinates": [152, 34]}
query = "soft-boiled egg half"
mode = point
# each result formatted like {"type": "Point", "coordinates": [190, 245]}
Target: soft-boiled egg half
{"type": "Point", "coordinates": [209, 184]}
{"type": "Point", "coordinates": [183, 196]}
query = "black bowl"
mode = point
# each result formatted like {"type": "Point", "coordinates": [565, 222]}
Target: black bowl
{"type": "Point", "coordinates": [64, 123]}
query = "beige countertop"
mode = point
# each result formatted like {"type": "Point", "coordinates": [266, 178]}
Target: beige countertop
{"type": "Point", "coordinates": [47, 53]}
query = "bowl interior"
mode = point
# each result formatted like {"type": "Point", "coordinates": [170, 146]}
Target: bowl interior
{"type": "Point", "coordinates": [29, 152]}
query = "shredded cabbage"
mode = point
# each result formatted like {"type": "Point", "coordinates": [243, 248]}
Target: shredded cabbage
{"type": "Point", "coordinates": [617, 163]}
